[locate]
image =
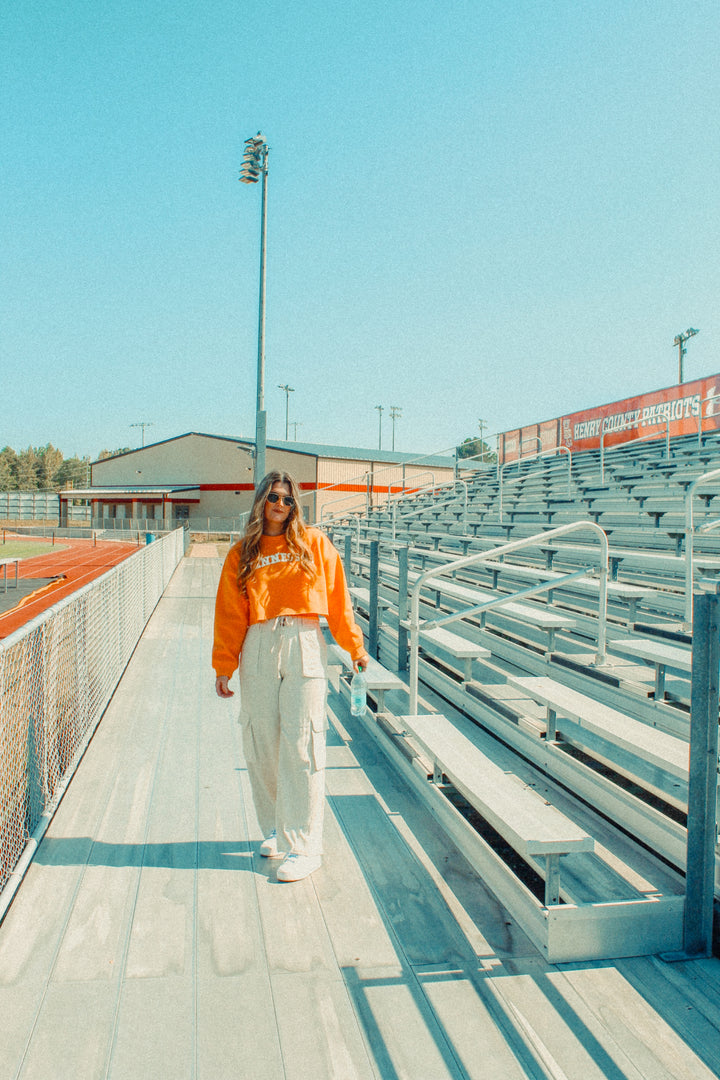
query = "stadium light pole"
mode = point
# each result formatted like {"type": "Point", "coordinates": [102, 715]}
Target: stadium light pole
{"type": "Point", "coordinates": [679, 341]}
{"type": "Point", "coordinates": [254, 166]}
{"type": "Point", "coordinates": [395, 413]}
{"type": "Point", "coordinates": [288, 391]}
{"type": "Point", "coordinates": [380, 409]}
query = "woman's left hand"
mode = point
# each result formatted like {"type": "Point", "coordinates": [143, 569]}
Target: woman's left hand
{"type": "Point", "coordinates": [361, 663]}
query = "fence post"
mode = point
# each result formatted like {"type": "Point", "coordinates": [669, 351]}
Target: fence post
{"type": "Point", "coordinates": [373, 635]}
{"type": "Point", "coordinates": [402, 607]}
{"type": "Point", "coordinates": [702, 794]}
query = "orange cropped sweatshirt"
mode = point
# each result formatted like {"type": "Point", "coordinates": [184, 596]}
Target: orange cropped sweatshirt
{"type": "Point", "coordinates": [279, 586]}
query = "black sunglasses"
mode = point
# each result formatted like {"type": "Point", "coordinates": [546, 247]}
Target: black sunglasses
{"type": "Point", "coordinates": [273, 497]}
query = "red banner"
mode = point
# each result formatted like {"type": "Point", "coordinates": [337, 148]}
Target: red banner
{"type": "Point", "coordinates": [646, 416]}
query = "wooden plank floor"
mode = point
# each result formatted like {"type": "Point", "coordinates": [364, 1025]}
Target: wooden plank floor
{"type": "Point", "coordinates": [149, 940]}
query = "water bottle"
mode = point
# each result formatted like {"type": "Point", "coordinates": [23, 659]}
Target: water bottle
{"type": "Point", "coordinates": [358, 694]}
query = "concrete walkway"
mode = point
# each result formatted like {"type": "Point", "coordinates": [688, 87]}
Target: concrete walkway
{"type": "Point", "coordinates": [149, 940]}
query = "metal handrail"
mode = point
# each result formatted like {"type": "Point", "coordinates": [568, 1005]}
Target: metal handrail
{"type": "Point", "coordinates": [404, 494]}
{"type": "Point", "coordinates": [353, 521]}
{"type": "Point", "coordinates": [500, 601]}
{"type": "Point", "coordinates": [483, 453]}
{"type": "Point", "coordinates": [628, 442]}
{"type": "Point", "coordinates": [710, 397]}
{"type": "Point", "coordinates": [479, 557]}
{"type": "Point", "coordinates": [422, 510]}
{"type": "Point", "coordinates": [533, 457]}
{"type": "Point", "coordinates": [335, 502]}
{"type": "Point", "coordinates": [402, 464]}
{"type": "Point", "coordinates": [689, 542]}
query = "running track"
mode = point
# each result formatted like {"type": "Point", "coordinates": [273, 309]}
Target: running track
{"type": "Point", "coordinates": [81, 561]}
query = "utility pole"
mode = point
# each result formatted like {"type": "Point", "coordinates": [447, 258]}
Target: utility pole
{"type": "Point", "coordinates": [380, 409]}
{"type": "Point", "coordinates": [143, 424]}
{"type": "Point", "coordinates": [288, 390]}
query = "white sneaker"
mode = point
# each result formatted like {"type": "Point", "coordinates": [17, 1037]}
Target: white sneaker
{"type": "Point", "coordinates": [269, 848]}
{"type": "Point", "coordinates": [296, 867]}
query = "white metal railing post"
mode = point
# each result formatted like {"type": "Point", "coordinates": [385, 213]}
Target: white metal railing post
{"type": "Point", "coordinates": [483, 556]}
{"type": "Point", "coordinates": [702, 780]}
{"type": "Point", "coordinates": [689, 542]}
{"type": "Point", "coordinates": [465, 504]}
{"type": "Point", "coordinates": [500, 492]}
{"type": "Point", "coordinates": [415, 641]}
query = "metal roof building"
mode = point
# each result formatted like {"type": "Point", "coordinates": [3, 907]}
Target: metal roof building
{"type": "Point", "coordinates": [208, 480]}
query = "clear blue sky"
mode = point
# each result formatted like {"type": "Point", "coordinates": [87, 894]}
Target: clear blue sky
{"type": "Point", "coordinates": [478, 209]}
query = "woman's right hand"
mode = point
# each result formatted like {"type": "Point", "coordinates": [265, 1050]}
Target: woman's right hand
{"type": "Point", "coordinates": [221, 687]}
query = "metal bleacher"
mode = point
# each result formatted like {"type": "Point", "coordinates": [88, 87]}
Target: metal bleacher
{"type": "Point", "coordinates": [593, 713]}
{"type": "Point", "coordinates": [148, 938]}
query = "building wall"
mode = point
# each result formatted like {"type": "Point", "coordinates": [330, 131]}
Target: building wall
{"type": "Point", "coordinates": [223, 470]}
{"type": "Point", "coordinates": [189, 459]}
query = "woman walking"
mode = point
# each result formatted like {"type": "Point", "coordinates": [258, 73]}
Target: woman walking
{"type": "Point", "coordinates": [274, 586]}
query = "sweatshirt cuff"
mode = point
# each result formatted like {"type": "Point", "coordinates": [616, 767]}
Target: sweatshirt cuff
{"type": "Point", "coordinates": [219, 672]}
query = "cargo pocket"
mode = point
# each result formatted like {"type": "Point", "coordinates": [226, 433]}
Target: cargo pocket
{"type": "Point", "coordinates": [313, 653]}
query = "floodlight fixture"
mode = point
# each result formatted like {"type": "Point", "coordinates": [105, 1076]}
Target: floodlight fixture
{"type": "Point", "coordinates": [254, 160]}
{"type": "Point", "coordinates": [679, 343]}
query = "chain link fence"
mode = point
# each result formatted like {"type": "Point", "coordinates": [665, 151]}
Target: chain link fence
{"type": "Point", "coordinates": [57, 674]}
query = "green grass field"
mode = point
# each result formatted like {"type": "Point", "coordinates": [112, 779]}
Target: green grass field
{"type": "Point", "coordinates": [21, 549]}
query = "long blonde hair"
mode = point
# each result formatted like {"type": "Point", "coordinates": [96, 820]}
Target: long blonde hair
{"type": "Point", "coordinates": [295, 531]}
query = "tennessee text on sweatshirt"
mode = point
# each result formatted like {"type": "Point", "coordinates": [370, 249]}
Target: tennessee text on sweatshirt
{"type": "Point", "coordinates": [279, 586]}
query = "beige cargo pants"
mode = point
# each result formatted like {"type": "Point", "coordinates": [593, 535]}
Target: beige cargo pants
{"type": "Point", "coordinates": [283, 690]}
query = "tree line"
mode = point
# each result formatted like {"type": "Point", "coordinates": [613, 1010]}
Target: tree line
{"type": "Point", "coordinates": [44, 468]}
{"type": "Point", "coordinates": [478, 449]}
